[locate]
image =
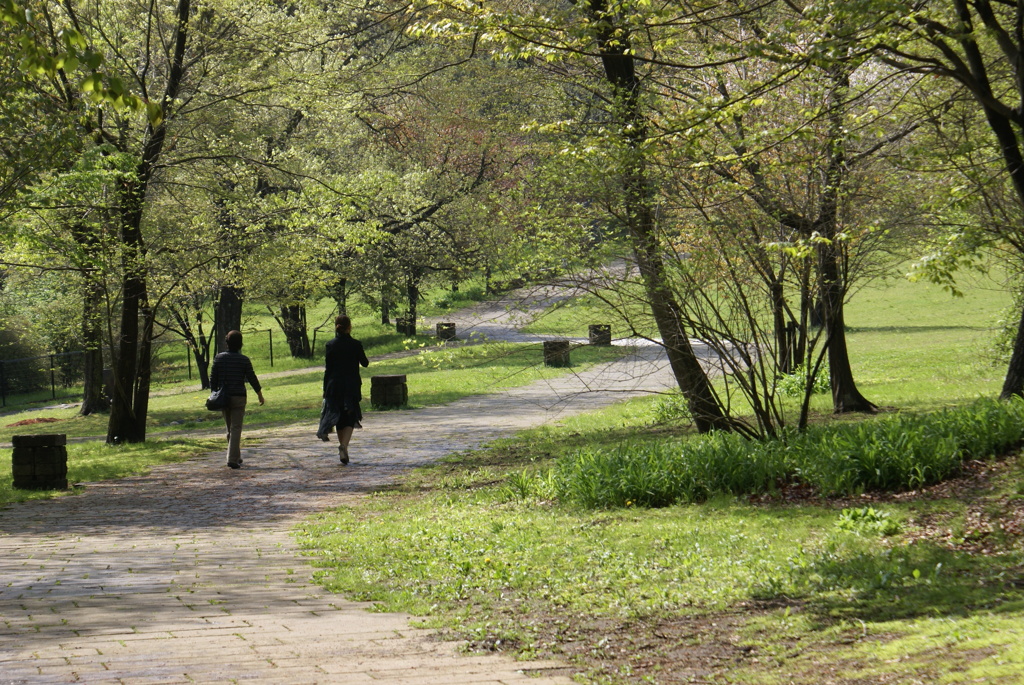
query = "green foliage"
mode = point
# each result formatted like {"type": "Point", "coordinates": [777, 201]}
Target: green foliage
{"type": "Point", "coordinates": [14, 342]}
{"type": "Point", "coordinates": [795, 384]}
{"type": "Point", "coordinates": [867, 521]}
{"type": "Point", "coordinates": [73, 53]}
{"type": "Point", "coordinates": [893, 453]}
{"type": "Point", "coordinates": [671, 408]}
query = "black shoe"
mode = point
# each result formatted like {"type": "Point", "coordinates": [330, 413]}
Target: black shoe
{"type": "Point", "coordinates": [344, 455]}
{"type": "Point", "coordinates": [234, 466]}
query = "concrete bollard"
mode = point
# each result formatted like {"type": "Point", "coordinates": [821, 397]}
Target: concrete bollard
{"type": "Point", "coordinates": [600, 334]}
{"type": "Point", "coordinates": [446, 331]}
{"type": "Point", "coordinates": [556, 353]}
{"type": "Point", "coordinates": [389, 391]}
{"type": "Point", "coordinates": [40, 462]}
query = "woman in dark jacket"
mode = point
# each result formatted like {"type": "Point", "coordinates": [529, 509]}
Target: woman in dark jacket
{"type": "Point", "coordinates": [342, 386]}
{"type": "Point", "coordinates": [233, 370]}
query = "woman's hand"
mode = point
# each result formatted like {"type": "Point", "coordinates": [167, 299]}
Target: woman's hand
{"type": "Point", "coordinates": [260, 396]}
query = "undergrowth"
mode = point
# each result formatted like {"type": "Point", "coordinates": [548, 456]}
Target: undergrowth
{"type": "Point", "coordinates": [892, 453]}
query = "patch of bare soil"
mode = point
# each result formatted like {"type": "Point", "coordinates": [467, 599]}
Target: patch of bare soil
{"type": "Point", "coordinates": [31, 422]}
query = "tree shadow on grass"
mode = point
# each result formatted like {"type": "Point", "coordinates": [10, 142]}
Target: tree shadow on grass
{"type": "Point", "coordinates": [921, 580]}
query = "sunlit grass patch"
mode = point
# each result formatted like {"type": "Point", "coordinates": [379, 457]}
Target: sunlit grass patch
{"type": "Point", "coordinates": [92, 460]}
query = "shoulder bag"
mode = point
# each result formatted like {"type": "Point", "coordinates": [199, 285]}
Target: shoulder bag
{"type": "Point", "coordinates": [218, 400]}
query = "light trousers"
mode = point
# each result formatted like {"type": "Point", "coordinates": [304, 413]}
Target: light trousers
{"type": "Point", "coordinates": [233, 416]}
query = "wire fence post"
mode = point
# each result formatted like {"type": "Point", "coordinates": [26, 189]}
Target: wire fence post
{"type": "Point", "coordinates": [53, 379]}
{"type": "Point", "coordinates": [3, 385]}
{"type": "Point", "coordinates": [270, 337]}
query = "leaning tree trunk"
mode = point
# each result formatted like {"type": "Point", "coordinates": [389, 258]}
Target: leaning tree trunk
{"type": "Point", "coordinates": [845, 395]}
{"type": "Point", "coordinates": [620, 72]}
{"type": "Point", "coordinates": [1009, 145]}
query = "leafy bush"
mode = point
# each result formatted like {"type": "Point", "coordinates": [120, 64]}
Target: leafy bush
{"type": "Point", "coordinates": [867, 521]}
{"type": "Point", "coordinates": [669, 408]}
{"type": "Point", "coordinates": [892, 453]}
{"type": "Point", "coordinates": [794, 384]}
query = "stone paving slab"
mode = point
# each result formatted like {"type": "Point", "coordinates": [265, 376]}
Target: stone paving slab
{"type": "Point", "coordinates": [191, 574]}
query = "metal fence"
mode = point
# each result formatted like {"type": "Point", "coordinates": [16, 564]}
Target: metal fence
{"type": "Point", "coordinates": [59, 376]}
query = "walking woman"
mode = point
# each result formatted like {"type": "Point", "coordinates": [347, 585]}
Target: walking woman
{"type": "Point", "coordinates": [342, 386]}
{"type": "Point", "coordinates": [233, 370]}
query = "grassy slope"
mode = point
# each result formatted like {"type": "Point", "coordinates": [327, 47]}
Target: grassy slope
{"type": "Point", "coordinates": [746, 591]}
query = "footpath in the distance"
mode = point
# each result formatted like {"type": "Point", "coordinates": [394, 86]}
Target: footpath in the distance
{"type": "Point", "coordinates": [191, 574]}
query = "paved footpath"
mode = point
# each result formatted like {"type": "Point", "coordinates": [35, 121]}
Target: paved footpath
{"type": "Point", "coordinates": [191, 574]}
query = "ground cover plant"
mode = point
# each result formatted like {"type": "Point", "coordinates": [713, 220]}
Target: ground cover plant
{"type": "Point", "coordinates": [831, 579]}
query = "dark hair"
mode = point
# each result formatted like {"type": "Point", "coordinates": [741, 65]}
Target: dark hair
{"type": "Point", "coordinates": [233, 340]}
{"type": "Point", "coordinates": [342, 323]}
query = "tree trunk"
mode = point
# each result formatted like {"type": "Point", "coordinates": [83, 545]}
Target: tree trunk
{"type": "Point", "coordinates": [341, 295]}
{"type": "Point", "coordinates": [228, 314]}
{"type": "Point", "coordinates": [413, 293]}
{"type": "Point", "coordinates": [620, 72]}
{"type": "Point", "coordinates": [132, 373]}
{"type": "Point", "coordinates": [783, 353]}
{"type": "Point", "coordinates": [293, 323]}
{"type": "Point", "coordinates": [845, 396]}
{"type": "Point", "coordinates": [802, 352]}
{"type": "Point", "coordinates": [385, 310]}
{"type": "Point", "coordinates": [1013, 159]}
{"type": "Point", "coordinates": [93, 398]}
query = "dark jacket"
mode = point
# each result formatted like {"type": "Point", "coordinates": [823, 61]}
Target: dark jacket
{"type": "Point", "coordinates": [342, 357]}
{"type": "Point", "coordinates": [232, 370]}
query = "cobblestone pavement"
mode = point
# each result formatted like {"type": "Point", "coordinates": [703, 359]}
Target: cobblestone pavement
{"type": "Point", "coordinates": [190, 574]}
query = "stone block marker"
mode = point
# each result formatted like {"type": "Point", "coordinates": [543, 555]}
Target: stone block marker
{"type": "Point", "coordinates": [389, 391]}
{"type": "Point", "coordinates": [40, 462]}
{"type": "Point", "coordinates": [446, 331]}
{"type": "Point", "coordinates": [556, 353]}
{"type": "Point", "coordinates": [600, 334]}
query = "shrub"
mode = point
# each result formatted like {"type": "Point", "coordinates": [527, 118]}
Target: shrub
{"type": "Point", "coordinates": [892, 453]}
{"type": "Point", "coordinates": [794, 384]}
{"type": "Point", "coordinates": [867, 521]}
{"type": "Point", "coordinates": [669, 408]}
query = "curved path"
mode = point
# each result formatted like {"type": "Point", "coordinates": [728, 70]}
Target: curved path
{"type": "Point", "coordinates": [190, 574]}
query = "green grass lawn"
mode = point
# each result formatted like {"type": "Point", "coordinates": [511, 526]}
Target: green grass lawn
{"type": "Point", "coordinates": [913, 345]}
{"type": "Point", "coordinates": [788, 588]}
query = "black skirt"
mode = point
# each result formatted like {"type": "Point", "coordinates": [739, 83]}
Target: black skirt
{"type": "Point", "coordinates": [346, 414]}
